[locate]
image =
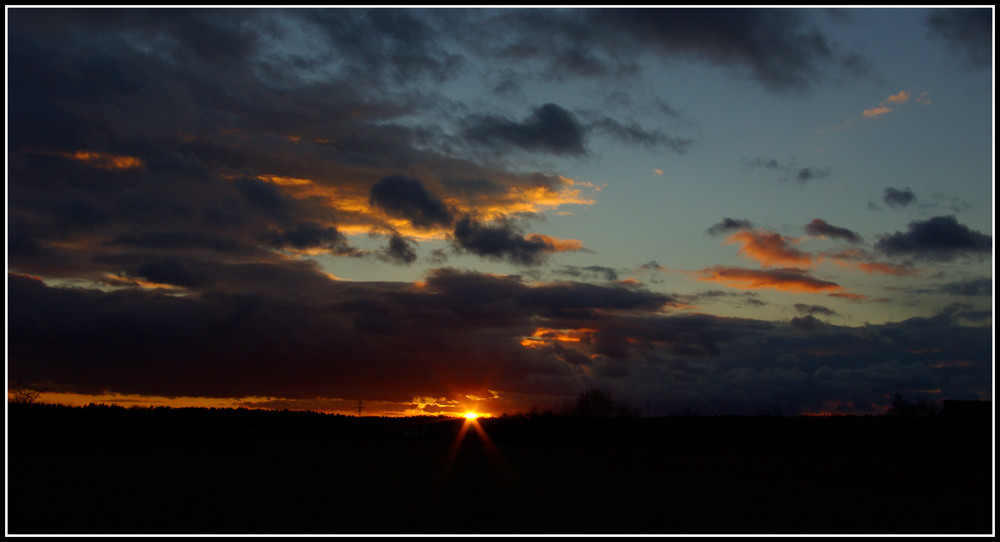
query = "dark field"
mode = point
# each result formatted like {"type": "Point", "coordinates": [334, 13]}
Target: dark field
{"type": "Point", "coordinates": [112, 470]}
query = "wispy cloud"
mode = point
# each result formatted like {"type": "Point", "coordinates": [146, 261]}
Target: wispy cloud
{"type": "Point", "coordinates": [877, 111]}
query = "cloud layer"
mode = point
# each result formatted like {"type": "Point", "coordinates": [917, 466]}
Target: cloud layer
{"type": "Point", "coordinates": [460, 334]}
{"type": "Point", "coordinates": [184, 185]}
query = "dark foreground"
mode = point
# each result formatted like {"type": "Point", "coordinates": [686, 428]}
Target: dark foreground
{"type": "Point", "coordinates": [193, 471]}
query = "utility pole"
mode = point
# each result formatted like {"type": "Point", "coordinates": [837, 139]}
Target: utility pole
{"type": "Point", "coordinates": [361, 405]}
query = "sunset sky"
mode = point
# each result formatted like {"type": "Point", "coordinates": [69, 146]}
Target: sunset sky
{"type": "Point", "coordinates": [440, 210]}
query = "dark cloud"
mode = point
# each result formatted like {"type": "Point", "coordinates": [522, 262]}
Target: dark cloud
{"type": "Point", "coordinates": [400, 250]}
{"type": "Point", "coordinates": [802, 308]}
{"type": "Point", "coordinates": [741, 298]}
{"type": "Point", "coordinates": [21, 241]}
{"type": "Point", "coordinates": [401, 45]}
{"type": "Point", "coordinates": [571, 355]}
{"type": "Point", "coordinates": [939, 238]}
{"type": "Point", "coordinates": [437, 256]}
{"type": "Point", "coordinates": [474, 187]}
{"type": "Point", "coordinates": [974, 287]}
{"type": "Point", "coordinates": [650, 266]}
{"type": "Point", "coordinates": [809, 173]}
{"type": "Point", "coordinates": [77, 212]}
{"type": "Point", "coordinates": [265, 195]}
{"type": "Point", "coordinates": [310, 235]}
{"type": "Point", "coordinates": [776, 47]}
{"type": "Point", "coordinates": [634, 134]}
{"type": "Point", "coordinates": [549, 128]}
{"type": "Point", "coordinates": [175, 240]}
{"type": "Point", "coordinates": [955, 203]}
{"type": "Point", "coordinates": [590, 271]}
{"type": "Point", "coordinates": [967, 31]}
{"type": "Point", "coordinates": [759, 162]}
{"type": "Point", "coordinates": [807, 323]}
{"type": "Point", "coordinates": [502, 240]}
{"type": "Point", "coordinates": [898, 198]}
{"type": "Point", "coordinates": [822, 228]}
{"type": "Point", "coordinates": [170, 270]}
{"type": "Point", "coordinates": [459, 331]}
{"type": "Point", "coordinates": [253, 142]}
{"type": "Point", "coordinates": [729, 225]}
{"type": "Point", "coordinates": [789, 171]}
{"type": "Point", "coordinates": [405, 197]}
{"type": "Point", "coordinates": [965, 311]}
{"type": "Point", "coordinates": [780, 53]}
{"type": "Point", "coordinates": [202, 151]}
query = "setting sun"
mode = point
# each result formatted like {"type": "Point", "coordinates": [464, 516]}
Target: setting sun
{"type": "Point", "coordinates": [471, 415]}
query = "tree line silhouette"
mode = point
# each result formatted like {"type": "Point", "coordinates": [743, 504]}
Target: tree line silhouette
{"type": "Point", "coordinates": [233, 470]}
{"type": "Point", "coordinates": [594, 417]}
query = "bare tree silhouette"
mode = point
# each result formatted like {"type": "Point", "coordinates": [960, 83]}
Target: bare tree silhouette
{"type": "Point", "coordinates": [595, 403]}
{"type": "Point", "coordinates": [23, 395]}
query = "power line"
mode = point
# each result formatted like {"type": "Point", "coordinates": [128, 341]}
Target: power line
{"type": "Point", "coordinates": [361, 405]}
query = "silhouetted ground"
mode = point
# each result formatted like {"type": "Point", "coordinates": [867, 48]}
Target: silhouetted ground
{"type": "Point", "coordinates": [198, 471]}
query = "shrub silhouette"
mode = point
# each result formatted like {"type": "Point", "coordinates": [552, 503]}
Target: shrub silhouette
{"type": "Point", "coordinates": [597, 403]}
{"type": "Point", "coordinates": [905, 409]}
{"type": "Point", "coordinates": [770, 410]}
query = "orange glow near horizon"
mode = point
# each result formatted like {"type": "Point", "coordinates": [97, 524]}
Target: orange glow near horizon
{"type": "Point", "coordinates": [471, 415]}
{"type": "Point", "coordinates": [77, 399]}
{"type": "Point", "coordinates": [332, 406]}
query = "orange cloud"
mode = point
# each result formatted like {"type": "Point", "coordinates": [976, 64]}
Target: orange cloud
{"type": "Point", "coordinates": [117, 280]}
{"type": "Point", "coordinates": [876, 111]}
{"type": "Point", "coordinates": [532, 199]}
{"type": "Point", "coordinates": [356, 216]}
{"type": "Point", "coordinates": [658, 171]}
{"type": "Point", "coordinates": [849, 257]}
{"type": "Point", "coordinates": [785, 279]}
{"type": "Point", "coordinates": [106, 161]}
{"type": "Point", "coordinates": [847, 123]}
{"type": "Point", "coordinates": [900, 98]}
{"type": "Point", "coordinates": [100, 160]}
{"type": "Point", "coordinates": [885, 269]}
{"type": "Point", "coordinates": [563, 335]}
{"type": "Point", "coordinates": [32, 277]}
{"type": "Point", "coordinates": [769, 248]}
{"type": "Point", "coordinates": [556, 245]}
